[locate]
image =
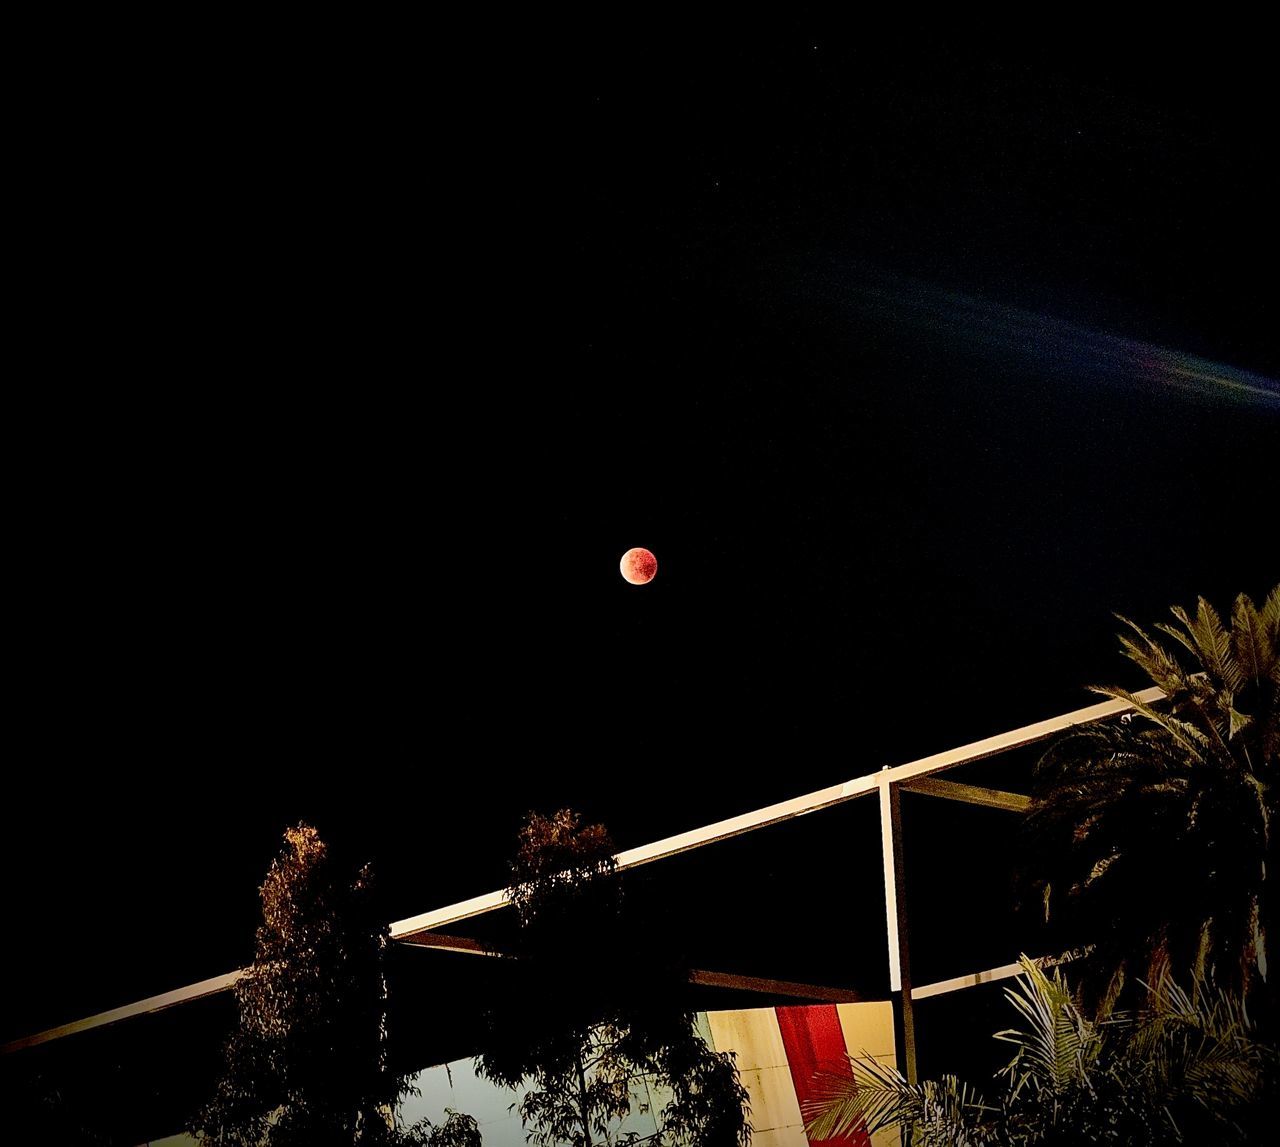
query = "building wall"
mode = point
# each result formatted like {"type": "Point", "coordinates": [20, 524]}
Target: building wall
{"type": "Point", "coordinates": [778, 1051]}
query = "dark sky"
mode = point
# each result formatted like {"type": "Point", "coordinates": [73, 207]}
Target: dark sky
{"type": "Point", "coordinates": [355, 360]}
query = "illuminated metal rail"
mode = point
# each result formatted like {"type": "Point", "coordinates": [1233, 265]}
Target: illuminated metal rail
{"type": "Point", "coordinates": [913, 776]}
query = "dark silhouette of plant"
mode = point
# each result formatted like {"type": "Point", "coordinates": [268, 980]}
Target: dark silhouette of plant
{"type": "Point", "coordinates": [307, 1063]}
{"type": "Point", "coordinates": [457, 1130]}
{"type": "Point", "coordinates": [1187, 1067]}
{"type": "Point", "coordinates": [1149, 839]}
{"type": "Point", "coordinates": [593, 1007]}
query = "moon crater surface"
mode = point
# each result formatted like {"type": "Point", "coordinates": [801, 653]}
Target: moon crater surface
{"type": "Point", "coordinates": [638, 566]}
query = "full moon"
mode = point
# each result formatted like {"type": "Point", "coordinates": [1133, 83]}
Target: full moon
{"type": "Point", "coordinates": [638, 566]}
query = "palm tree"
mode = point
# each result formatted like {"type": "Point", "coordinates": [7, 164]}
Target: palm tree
{"type": "Point", "coordinates": [1185, 1068]}
{"type": "Point", "coordinates": [1149, 839]}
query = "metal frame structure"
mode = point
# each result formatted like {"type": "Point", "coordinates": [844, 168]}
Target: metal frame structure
{"type": "Point", "coordinates": [917, 776]}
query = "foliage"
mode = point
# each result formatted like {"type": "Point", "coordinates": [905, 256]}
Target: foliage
{"type": "Point", "coordinates": [1186, 1068]}
{"type": "Point", "coordinates": [307, 1063]}
{"type": "Point", "coordinates": [1149, 838]}
{"type": "Point", "coordinates": [592, 1006]}
{"type": "Point", "coordinates": [457, 1130]}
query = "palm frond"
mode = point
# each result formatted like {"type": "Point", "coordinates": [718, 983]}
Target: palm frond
{"type": "Point", "coordinates": [1236, 722]}
{"type": "Point", "coordinates": [874, 1096]}
{"type": "Point", "coordinates": [1199, 1044]}
{"type": "Point", "coordinates": [1186, 734]}
{"type": "Point", "coordinates": [1271, 615]}
{"type": "Point", "coordinates": [1215, 639]}
{"type": "Point", "coordinates": [1254, 649]}
{"type": "Point", "coordinates": [1190, 639]}
{"type": "Point", "coordinates": [1058, 1044]}
{"type": "Point", "coordinates": [1152, 657]}
{"type": "Point", "coordinates": [1186, 1067]}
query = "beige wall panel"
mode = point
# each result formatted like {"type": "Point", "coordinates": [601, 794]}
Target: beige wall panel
{"type": "Point", "coordinates": [868, 1028]}
{"type": "Point", "coordinates": [762, 1062]}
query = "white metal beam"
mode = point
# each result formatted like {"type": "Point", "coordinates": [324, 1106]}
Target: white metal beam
{"type": "Point", "coordinates": [990, 976]}
{"type": "Point", "coordinates": [972, 980]}
{"type": "Point", "coordinates": [658, 850]}
{"type": "Point", "coordinates": [890, 883]}
{"type": "Point", "coordinates": [140, 1008]}
{"type": "Point", "coordinates": [798, 806]}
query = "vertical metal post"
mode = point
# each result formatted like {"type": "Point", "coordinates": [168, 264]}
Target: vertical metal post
{"type": "Point", "coordinates": [895, 914]}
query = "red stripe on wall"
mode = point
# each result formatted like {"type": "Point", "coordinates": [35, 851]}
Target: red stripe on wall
{"type": "Point", "coordinates": [814, 1042]}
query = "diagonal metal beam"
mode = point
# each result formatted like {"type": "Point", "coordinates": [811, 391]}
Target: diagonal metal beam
{"type": "Point", "coordinates": [798, 806]}
{"type": "Point", "coordinates": [817, 992]}
{"type": "Point", "coordinates": [658, 850]}
{"type": "Point", "coordinates": [972, 980]}
{"type": "Point", "coordinates": [822, 993]}
{"type": "Point", "coordinates": [969, 794]}
{"type": "Point", "coordinates": [440, 942]}
{"type": "Point", "coordinates": [140, 1008]}
{"type": "Point", "coordinates": [989, 976]}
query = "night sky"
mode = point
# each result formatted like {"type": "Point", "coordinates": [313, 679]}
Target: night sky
{"type": "Point", "coordinates": [355, 360]}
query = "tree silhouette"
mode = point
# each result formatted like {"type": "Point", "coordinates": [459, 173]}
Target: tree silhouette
{"type": "Point", "coordinates": [593, 1007]}
{"type": "Point", "coordinates": [307, 1063]}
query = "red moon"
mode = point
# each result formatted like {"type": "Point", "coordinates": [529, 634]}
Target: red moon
{"type": "Point", "coordinates": [638, 566]}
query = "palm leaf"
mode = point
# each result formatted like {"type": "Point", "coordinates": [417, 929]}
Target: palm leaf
{"type": "Point", "coordinates": [1058, 1044]}
{"type": "Point", "coordinates": [1186, 734]}
{"type": "Point", "coordinates": [1214, 639]}
{"type": "Point", "coordinates": [1236, 721]}
{"type": "Point", "coordinates": [1183, 1069]}
{"type": "Point", "coordinates": [1271, 615]}
{"type": "Point", "coordinates": [1189, 638]}
{"type": "Point", "coordinates": [875, 1096]}
{"type": "Point", "coordinates": [1152, 658]}
{"type": "Point", "coordinates": [1253, 645]}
